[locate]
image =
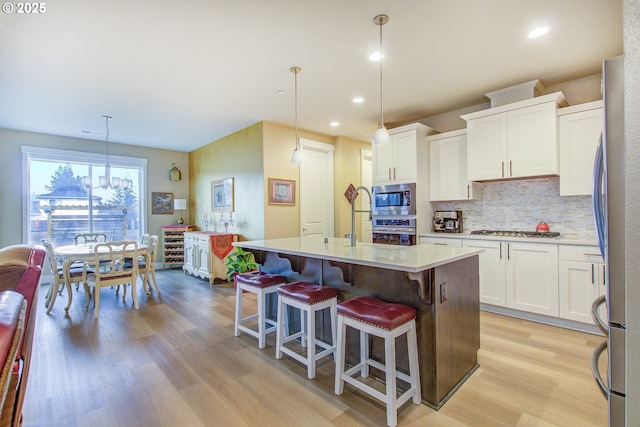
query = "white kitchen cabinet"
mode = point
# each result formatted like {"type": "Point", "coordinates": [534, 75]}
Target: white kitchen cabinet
{"type": "Point", "coordinates": [492, 271]}
{"type": "Point", "coordinates": [448, 168]}
{"type": "Point", "coordinates": [579, 129]}
{"type": "Point", "coordinates": [581, 281]}
{"type": "Point", "coordinates": [517, 140]}
{"type": "Point", "coordinates": [396, 162]}
{"type": "Point", "coordinates": [200, 259]}
{"type": "Point", "coordinates": [441, 241]}
{"type": "Point", "coordinates": [518, 275]}
{"type": "Point", "coordinates": [532, 277]}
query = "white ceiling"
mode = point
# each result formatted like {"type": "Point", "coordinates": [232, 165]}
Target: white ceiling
{"type": "Point", "coordinates": [180, 74]}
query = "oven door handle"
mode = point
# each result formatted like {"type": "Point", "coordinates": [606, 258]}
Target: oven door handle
{"type": "Point", "coordinates": [411, 231]}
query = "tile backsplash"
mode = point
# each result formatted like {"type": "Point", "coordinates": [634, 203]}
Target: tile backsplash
{"type": "Point", "coordinates": [521, 205]}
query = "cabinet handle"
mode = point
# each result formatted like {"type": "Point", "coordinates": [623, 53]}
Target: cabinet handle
{"type": "Point", "coordinates": [500, 244]}
{"type": "Point", "coordinates": [468, 192]}
{"type": "Point", "coordinates": [508, 251]}
{"type": "Point", "coordinates": [593, 279]}
{"type": "Point", "coordinates": [503, 168]}
{"type": "Point", "coordinates": [510, 168]}
{"type": "Point", "coordinates": [440, 244]}
{"type": "Point", "coordinates": [389, 174]}
{"type": "Point", "coordinates": [394, 172]}
{"type": "Point", "coordinates": [604, 275]}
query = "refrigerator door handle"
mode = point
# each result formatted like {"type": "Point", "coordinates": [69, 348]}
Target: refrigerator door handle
{"type": "Point", "coordinates": [601, 324]}
{"type": "Point", "coordinates": [595, 358]}
{"type": "Point", "coordinates": [596, 196]}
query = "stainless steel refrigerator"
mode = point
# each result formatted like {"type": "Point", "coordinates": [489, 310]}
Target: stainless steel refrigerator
{"type": "Point", "coordinates": [609, 216]}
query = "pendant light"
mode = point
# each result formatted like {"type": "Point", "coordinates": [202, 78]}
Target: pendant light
{"type": "Point", "coordinates": [296, 156]}
{"type": "Point", "coordinates": [105, 182]}
{"type": "Point", "coordinates": [382, 134]}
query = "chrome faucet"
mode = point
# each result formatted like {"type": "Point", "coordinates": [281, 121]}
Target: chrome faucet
{"type": "Point", "coordinates": [353, 211]}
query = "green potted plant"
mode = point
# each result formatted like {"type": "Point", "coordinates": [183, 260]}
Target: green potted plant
{"type": "Point", "coordinates": [239, 262]}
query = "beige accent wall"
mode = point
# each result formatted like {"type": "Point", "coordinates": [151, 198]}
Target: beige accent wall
{"type": "Point", "coordinates": [252, 156]}
{"type": "Point", "coordinates": [238, 156]}
{"type": "Point", "coordinates": [11, 190]}
{"type": "Point", "coordinates": [347, 171]}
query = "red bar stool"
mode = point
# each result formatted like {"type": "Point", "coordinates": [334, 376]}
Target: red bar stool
{"type": "Point", "coordinates": [308, 298]}
{"type": "Point", "coordinates": [260, 284]}
{"type": "Point", "coordinates": [372, 316]}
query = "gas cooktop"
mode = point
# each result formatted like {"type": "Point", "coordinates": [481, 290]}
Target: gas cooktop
{"type": "Point", "coordinates": [512, 233]}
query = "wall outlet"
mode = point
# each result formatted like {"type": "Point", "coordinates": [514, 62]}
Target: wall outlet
{"type": "Point", "coordinates": [443, 292]}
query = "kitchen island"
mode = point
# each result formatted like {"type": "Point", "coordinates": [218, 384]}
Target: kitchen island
{"type": "Point", "coordinates": [441, 283]}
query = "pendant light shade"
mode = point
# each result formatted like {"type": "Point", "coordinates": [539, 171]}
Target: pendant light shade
{"type": "Point", "coordinates": [296, 156]}
{"type": "Point", "coordinates": [382, 134]}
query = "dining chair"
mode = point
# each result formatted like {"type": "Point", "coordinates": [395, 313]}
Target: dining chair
{"type": "Point", "coordinates": [110, 269]}
{"type": "Point", "coordinates": [146, 267]}
{"type": "Point", "coordinates": [90, 238]}
{"type": "Point", "coordinates": [145, 239]}
{"type": "Point", "coordinates": [60, 278]}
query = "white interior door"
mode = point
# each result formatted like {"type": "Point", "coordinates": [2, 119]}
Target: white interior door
{"type": "Point", "coordinates": [316, 189]}
{"type": "Point", "coordinates": [366, 179]}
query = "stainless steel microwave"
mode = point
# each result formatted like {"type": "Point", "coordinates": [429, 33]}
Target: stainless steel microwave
{"type": "Point", "coordinates": [394, 199]}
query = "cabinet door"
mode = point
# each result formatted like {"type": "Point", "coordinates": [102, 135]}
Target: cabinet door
{"type": "Point", "coordinates": [448, 169]}
{"type": "Point", "coordinates": [532, 277]}
{"type": "Point", "coordinates": [189, 259]}
{"type": "Point", "coordinates": [382, 163]}
{"type": "Point", "coordinates": [578, 135]}
{"type": "Point", "coordinates": [204, 267]}
{"type": "Point", "coordinates": [492, 270]}
{"type": "Point", "coordinates": [487, 147]}
{"type": "Point", "coordinates": [405, 168]}
{"type": "Point", "coordinates": [579, 286]}
{"type": "Point", "coordinates": [532, 141]}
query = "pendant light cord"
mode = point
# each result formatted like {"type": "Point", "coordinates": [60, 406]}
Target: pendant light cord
{"type": "Point", "coordinates": [296, 95]}
{"type": "Point", "coordinates": [381, 23]}
{"type": "Point", "coordinates": [106, 124]}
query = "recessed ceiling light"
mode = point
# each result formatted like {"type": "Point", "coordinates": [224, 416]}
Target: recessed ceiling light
{"type": "Point", "coordinates": [375, 56]}
{"type": "Point", "coordinates": [538, 32]}
{"type": "Point", "coordinates": [357, 100]}
{"type": "Point", "coordinates": [280, 92]}
{"type": "Point", "coordinates": [334, 124]}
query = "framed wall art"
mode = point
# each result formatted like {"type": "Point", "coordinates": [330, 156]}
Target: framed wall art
{"type": "Point", "coordinates": [282, 192]}
{"type": "Point", "coordinates": [222, 195]}
{"type": "Point", "coordinates": [162, 203]}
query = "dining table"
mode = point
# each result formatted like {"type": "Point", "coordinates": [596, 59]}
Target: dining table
{"type": "Point", "coordinates": [70, 254]}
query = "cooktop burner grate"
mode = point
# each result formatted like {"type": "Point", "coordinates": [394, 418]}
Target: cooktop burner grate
{"type": "Point", "coordinates": [513, 233]}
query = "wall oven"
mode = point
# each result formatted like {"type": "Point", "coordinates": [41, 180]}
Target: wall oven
{"type": "Point", "coordinates": [394, 199]}
{"type": "Point", "coordinates": [394, 231]}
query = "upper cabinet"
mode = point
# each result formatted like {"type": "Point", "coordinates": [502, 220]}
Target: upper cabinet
{"type": "Point", "coordinates": [579, 129]}
{"type": "Point", "coordinates": [517, 140]}
{"type": "Point", "coordinates": [397, 161]}
{"type": "Point", "coordinates": [448, 167]}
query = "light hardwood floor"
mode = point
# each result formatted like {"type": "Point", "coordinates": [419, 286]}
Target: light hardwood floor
{"type": "Point", "coordinates": [175, 362]}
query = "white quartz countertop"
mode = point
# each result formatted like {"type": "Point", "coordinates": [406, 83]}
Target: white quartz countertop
{"type": "Point", "coordinates": [403, 258]}
{"type": "Point", "coordinates": [564, 239]}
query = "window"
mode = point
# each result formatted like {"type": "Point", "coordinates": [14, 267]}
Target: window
{"type": "Point", "coordinates": [63, 196]}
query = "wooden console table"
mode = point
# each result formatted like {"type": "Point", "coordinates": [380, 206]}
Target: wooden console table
{"type": "Point", "coordinates": [206, 252]}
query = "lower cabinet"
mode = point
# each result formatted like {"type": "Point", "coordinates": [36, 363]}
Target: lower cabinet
{"type": "Point", "coordinates": [581, 281]}
{"type": "Point", "coordinates": [493, 288]}
{"type": "Point", "coordinates": [200, 258]}
{"type": "Point", "coordinates": [517, 275]}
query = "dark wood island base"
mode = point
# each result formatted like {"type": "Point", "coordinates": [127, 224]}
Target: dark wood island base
{"type": "Point", "coordinates": [445, 297]}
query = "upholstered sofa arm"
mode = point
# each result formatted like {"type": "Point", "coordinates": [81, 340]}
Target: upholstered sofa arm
{"type": "Point", "coordinates": [12, 316]}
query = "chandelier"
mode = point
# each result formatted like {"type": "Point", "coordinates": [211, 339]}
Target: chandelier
{"type": "Point", "coordinates": [105, 181]}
